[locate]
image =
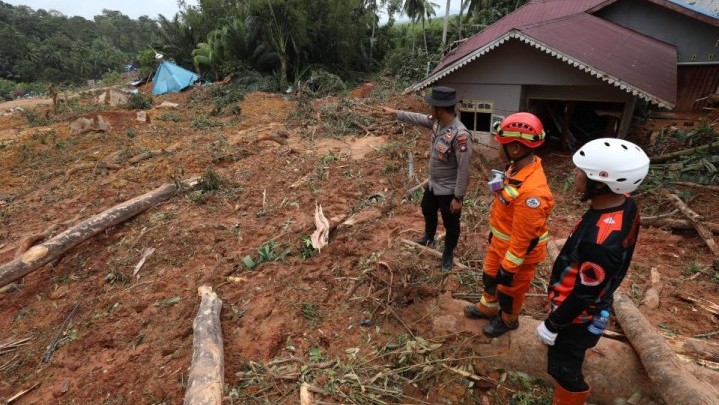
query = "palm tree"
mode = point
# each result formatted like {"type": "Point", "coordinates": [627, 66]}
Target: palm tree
{"type": "Point", "coordinates": [428, 13]}
{"type": "Point", "coordinates": [446, 24]}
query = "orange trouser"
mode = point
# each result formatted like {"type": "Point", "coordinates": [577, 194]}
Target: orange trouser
{"type": "Point", "coordinates": [508, 299]}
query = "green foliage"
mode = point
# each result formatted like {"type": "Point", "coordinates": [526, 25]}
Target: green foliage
{"type": "Point", "coordinates": [139, 102]}
{"type": "Point", "coordinates": [170, 116]}
{"type": "Point", "coordinates": [306, 248]}
{"type": "Point", "coordinates": [269, 252]}
{"type": "Point", "coordinates": [204, 122]}
{"type": "Point", "coordinates": [323, 83]}
{"type": "Point", "coordinates": [211, 181]}
{"type": "Point", "coordinates": [111, 78]}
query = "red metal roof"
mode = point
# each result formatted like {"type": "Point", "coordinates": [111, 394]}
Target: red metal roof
{"type": "Point", "coordinates": [640, 61]}
{"type": "Point", "coordinates": [531, 13]}
{"type": "Point", "coordinates": [624, 58]}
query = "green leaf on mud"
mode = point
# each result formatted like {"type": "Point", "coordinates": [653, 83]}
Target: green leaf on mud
{"type": "Point", "coordinates": [167, 302]}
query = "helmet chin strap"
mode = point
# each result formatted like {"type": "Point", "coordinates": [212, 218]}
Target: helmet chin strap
{"type": "Point", "coordinates": [511, 159]}
{"type": "Point", "coordinates": [593, 190]}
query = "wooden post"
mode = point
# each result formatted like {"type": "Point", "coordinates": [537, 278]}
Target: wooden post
{"type": "Point", "coordinates": [206, 380]}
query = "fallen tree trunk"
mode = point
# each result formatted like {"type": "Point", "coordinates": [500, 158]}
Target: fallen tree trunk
{"type": "Point", "coordinates": [669, 156]}
{"type": "Point", "coordinates": [53, 248]}
{"type": "Point", "coordinates": [611, 368]}
{"type": "Point", "coordinates": [152, 153]}
{"type": "Point", "coordinates": [670, 378]}
{"type": "Point", "coordinates": [678, 224]}
{"type": "Point", "coordinates": [694, 219]}
{"type": "Point", "coordinates": [696, 348]}
{"type": "Point", "coordinates": [206, 379]}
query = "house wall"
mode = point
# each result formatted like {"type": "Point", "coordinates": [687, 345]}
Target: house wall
{"type": "Point", "coordinates": [515, 72]}
{"type": "Point", "coordinates": [696, 41]}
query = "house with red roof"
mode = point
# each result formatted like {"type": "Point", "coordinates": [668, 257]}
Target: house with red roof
{"type": "Point", "coordinates": [584, 66]}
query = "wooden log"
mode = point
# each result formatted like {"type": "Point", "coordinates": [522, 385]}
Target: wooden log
{"type": "Point", "coordinates": [695, 348]}
{"type": "Point", "coordinates": [206, 379]}
{"type": "Point", "coordinates": [678, 224]}
{"type": "Point", "coordinates": [695, 220]}
{"type": "Point", "coordinates": [670, 378]}
{"type": "Point", "coordinates": [53, 248]}
{"type": "Point", "coordinates": [273, 138]}
{"type": "Point", "coordinates": [670, 156]}
{"type": "Point", "coordinates": [652, 296]}
{"type": "Point", "coordinates": [520, 350]}
{"type": "Point", "coordinates": [432, 252]}
{"type": "Point", "coordinates": [152, 153]}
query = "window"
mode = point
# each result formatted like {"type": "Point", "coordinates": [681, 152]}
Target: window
{"type": "Point", "coordinates": [476, 115]}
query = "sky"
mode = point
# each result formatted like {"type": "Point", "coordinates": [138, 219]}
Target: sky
{"type": "Point", "coordinates": [136, 8]}
{"type": "Point", "coordinates": [91, 8]}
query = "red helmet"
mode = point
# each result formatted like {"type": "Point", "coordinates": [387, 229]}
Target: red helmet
{"type": "Point", "coordinates": [520, 127]}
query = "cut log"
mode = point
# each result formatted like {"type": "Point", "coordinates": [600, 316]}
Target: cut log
{"type": "Point", "coordinates": [206, 379]}
{"type": "Point", "coordinates": [432, 252]}
{"type": "Point", "coordinates": [520, 350]}
{"type": "Point", "coordinates": [695, 348]}
{"type": "Point", "coordinates": [651, 297]}
{"type": "Point", "coordinates": [670, 156]}
{"type": "Point", "coordinates": [152, 153]}
{"type": "Point", "coordinates": [670, 378]}
{"type": "Point", "coordinates": [53, 248]}
{"type": "Point", "coordinates": [695, 220]}
{"type": "Point", "coordinates": [678, 224]}
{"type": "Point", "coordinates": [273, 138]}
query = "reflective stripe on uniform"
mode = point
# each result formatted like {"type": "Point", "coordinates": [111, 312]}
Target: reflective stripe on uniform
{"type": "Point", "coordinates": [511, 190]}
{"type": "Point", "coordinates": [499, 235]}
{"type": "Point", "coordinates": [503, 236]}
{"type": "Point", "coordinates": [488, 304]}
{"type": "Point", "coordinates": [514, 259]}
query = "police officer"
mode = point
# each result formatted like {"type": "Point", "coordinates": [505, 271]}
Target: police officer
{"type": "Point", "coordinates": [449, 167]}
{"type": "Point", "coordinates": [593, 261]}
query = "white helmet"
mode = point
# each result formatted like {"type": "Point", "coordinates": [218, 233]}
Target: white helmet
{"type": "Point", "coordinates": [619, 164]}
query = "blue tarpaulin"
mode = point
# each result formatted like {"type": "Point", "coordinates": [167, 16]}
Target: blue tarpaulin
{"type": "Point", "coordinates": [171, 78]}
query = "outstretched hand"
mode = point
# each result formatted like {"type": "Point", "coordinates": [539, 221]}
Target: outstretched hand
{"type": "Point", "coordinates": [388, 110]}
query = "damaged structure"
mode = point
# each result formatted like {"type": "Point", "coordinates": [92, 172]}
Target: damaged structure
{"type": "Point", "coordinates": [583, 66]}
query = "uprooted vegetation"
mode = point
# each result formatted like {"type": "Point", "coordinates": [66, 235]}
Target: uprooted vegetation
{"type": "Point", "coordinates": [363, 320]}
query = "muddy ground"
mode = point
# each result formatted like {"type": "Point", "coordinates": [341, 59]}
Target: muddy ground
{"type": "Point", "coordinates": [290, 318]}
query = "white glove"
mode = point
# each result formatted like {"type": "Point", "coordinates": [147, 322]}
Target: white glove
{"type": "Point", "coordinates": [545, 336]}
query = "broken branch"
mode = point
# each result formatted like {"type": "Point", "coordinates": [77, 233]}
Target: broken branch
{"type": "Point", "coordinates": [432, 252]}
{"type": "Point", "coordinates": [669, 156]}
{"type": "Point", "coordinates": [694, 219]}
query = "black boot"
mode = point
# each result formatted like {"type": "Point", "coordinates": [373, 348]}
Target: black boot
{"type": "Point", "coordinates": [497, 327]}
{"type": "Point", "coordinates": [471, 311]}
{"type": "Point", "coordinates": [447, 260]}
{"type": "Point", "coordinates": [425, 241]}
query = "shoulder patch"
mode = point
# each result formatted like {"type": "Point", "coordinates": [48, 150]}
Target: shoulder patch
{"type": "Point", "coordinates": [462, 142]}
{"type": "Point", "coordinates": [591, 274]}
{"type": "Point", "coordinates": [533, 202]}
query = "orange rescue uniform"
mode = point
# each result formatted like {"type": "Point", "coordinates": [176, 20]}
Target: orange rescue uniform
{"type": "Point", "coordinates": [518, 239]}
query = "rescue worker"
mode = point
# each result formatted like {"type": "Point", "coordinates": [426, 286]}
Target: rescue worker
{"type": "Point", "coordinates": [593, 261]}
{"type": "Point", "coordinates": [449, 167]}
{"type": "Point", "coordinates": [518, 225]}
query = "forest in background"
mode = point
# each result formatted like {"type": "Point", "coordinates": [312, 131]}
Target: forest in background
{"type": "Point", "coordinates": [276, 42]}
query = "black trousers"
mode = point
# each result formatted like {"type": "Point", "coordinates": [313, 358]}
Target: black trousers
{"type": "Point", "coordinates": [432, 203]}
{"type": "Point", "coordinates": [566, 357]}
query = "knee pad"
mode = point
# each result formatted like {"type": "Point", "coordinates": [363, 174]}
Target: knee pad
{"type": "Point", "coordinates": [490, 284]}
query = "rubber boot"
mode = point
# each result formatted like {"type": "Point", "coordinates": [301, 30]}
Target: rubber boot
{"type": "Point", "coordinates": [471, 311]}
{"type": "Point", "coordinates": [564, 397]}
{"type": "Point", "coordinates": [497, 327]}
{"type": "Point", "coordinates": [425, 241]}
{"type": "Point", "coordinates": [447, 260]}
